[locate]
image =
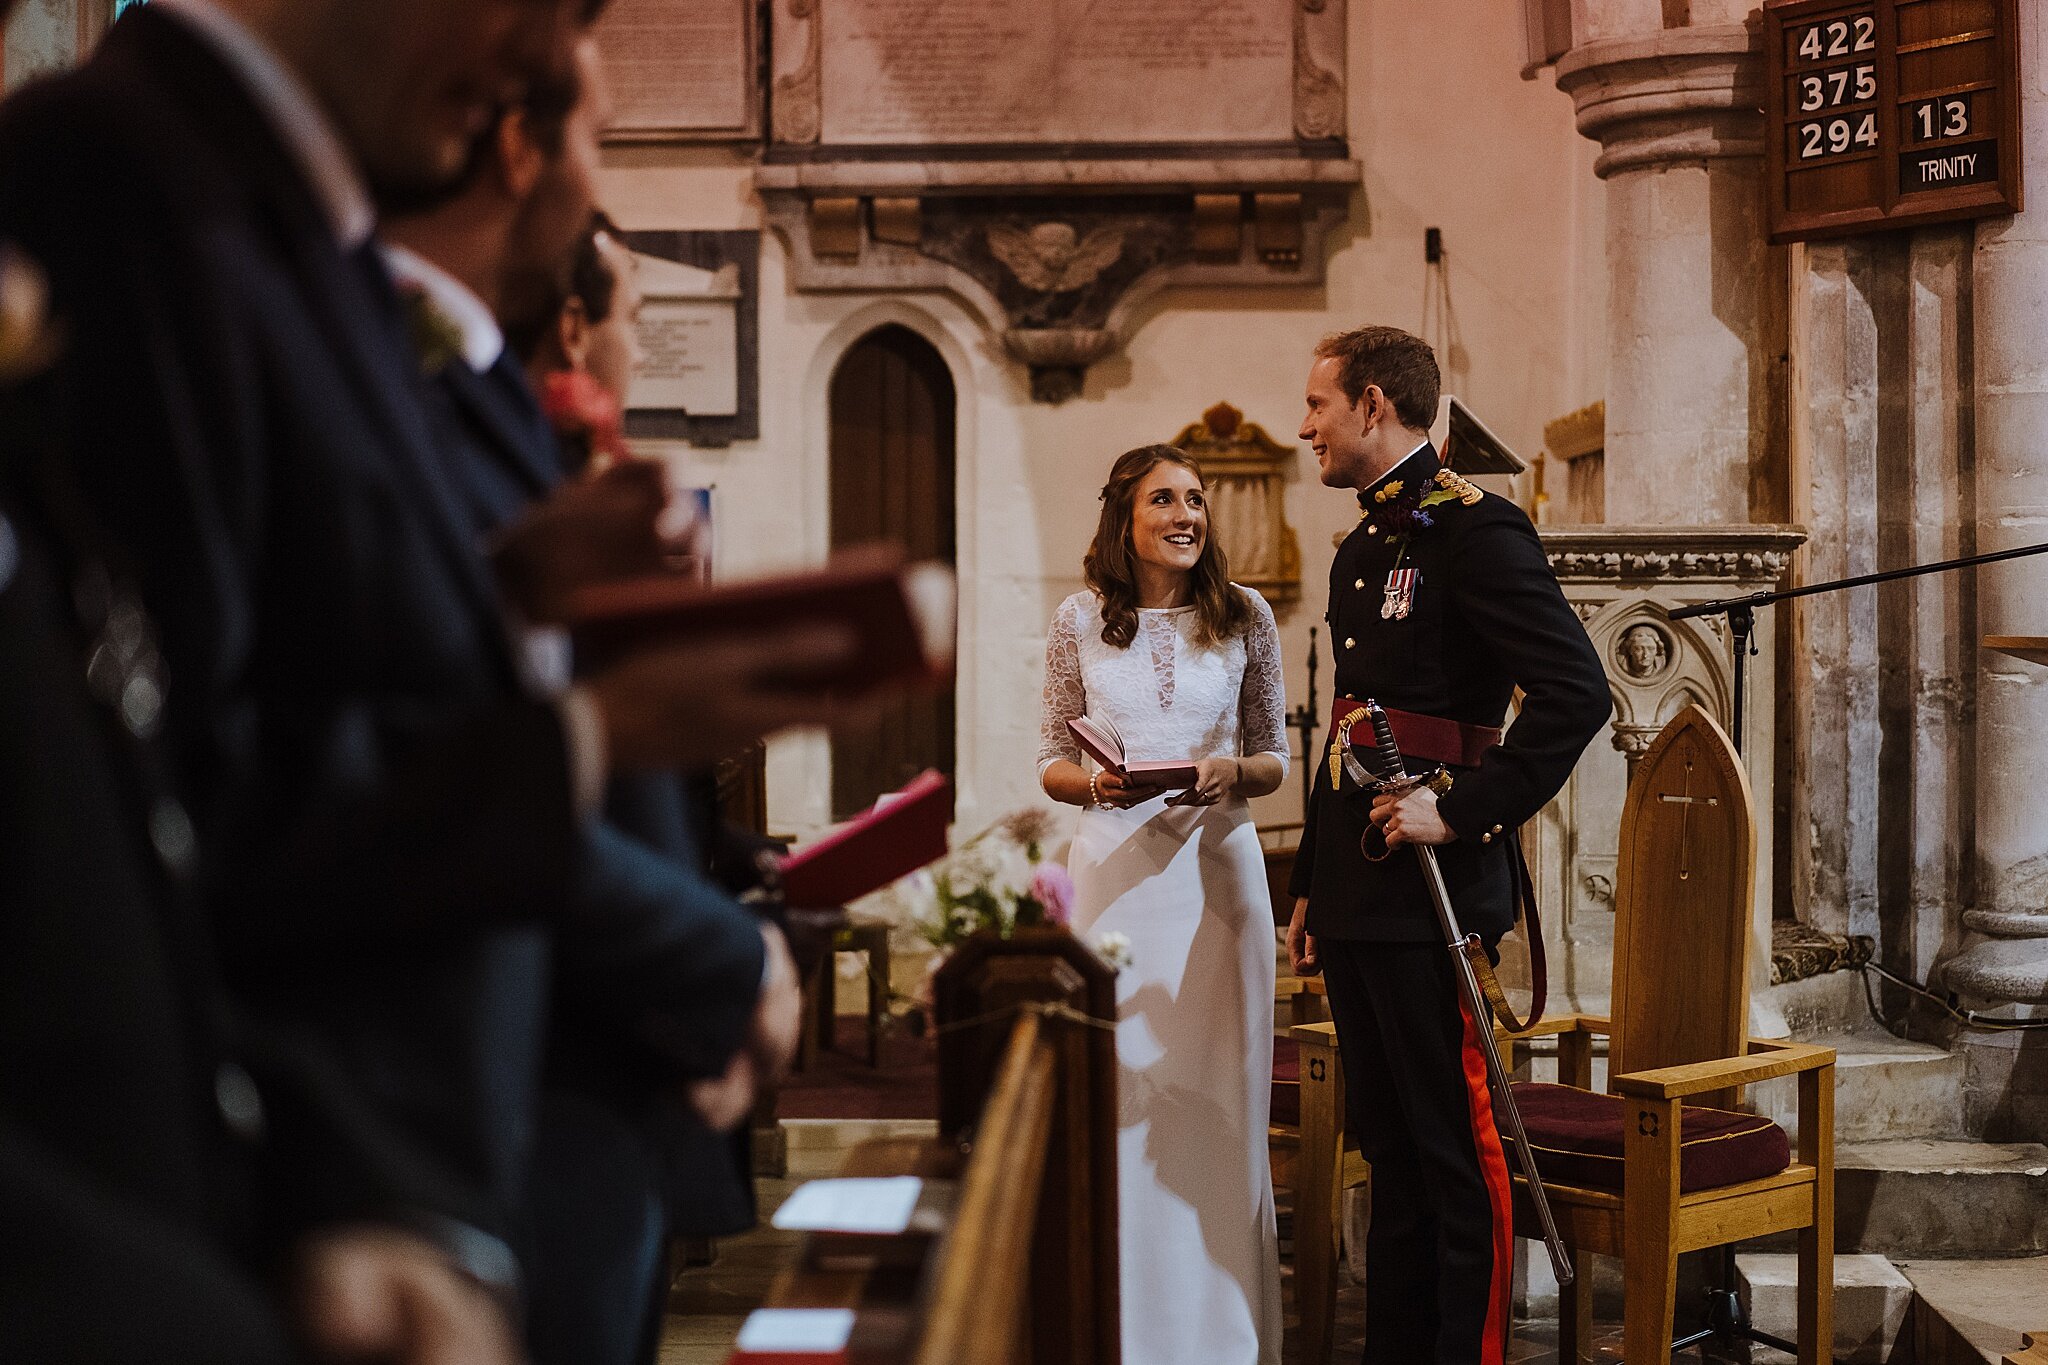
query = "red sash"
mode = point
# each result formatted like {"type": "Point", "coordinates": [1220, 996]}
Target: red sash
{"type": "Point", "coordinates": [1428, 737]}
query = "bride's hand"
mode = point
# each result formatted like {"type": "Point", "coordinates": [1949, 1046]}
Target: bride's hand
{"type": "Point", "coordinates": [1215, 778]}
{"type": "Point", "coordinates": [1121, 792]}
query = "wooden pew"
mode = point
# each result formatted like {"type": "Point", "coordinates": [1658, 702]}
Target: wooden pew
{"type": "Point", "coordinates": [1013, 1260]}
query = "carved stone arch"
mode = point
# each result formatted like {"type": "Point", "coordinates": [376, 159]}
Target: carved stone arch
{"type": "Point", "coordinates": [1650, 660]}
{"type": "Point", "coordinates": [794, 760]}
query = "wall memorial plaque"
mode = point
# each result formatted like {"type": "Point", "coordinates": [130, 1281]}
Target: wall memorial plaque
{"type": "Point", "coordinates": [1052, 163]}
{"type": "Point", "coordinates": [993, 71]}
{"type": "Point", "coordinates": [1889, 113]}
{"type": "Point", "coordinates": [680, 72]}
{"type": "Point", "coordinates": [990, 73]}
{"type": "Point", "coordinates": [699, 333]}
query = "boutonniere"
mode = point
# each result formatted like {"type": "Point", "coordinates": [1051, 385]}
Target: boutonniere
{"type": "Point", "coordinates": [435, 336]}
{"type": "Point", "coordinates": [586, 416]}
{"type": "Point", "coordinates": [1400, 512]}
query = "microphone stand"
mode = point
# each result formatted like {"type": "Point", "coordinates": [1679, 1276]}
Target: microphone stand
{"type": "Point", "coordinates": [1307, 719]}
{"type": "Point", "coordinates": [1726, 1317]}
{"type": "Point", "coordinates": [1741, 611]}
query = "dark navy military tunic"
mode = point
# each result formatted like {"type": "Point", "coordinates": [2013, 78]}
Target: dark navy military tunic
{"type": "Point", "coordinates": [1486, 617]}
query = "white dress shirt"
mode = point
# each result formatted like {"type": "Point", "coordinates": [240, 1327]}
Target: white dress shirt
{"type": "Point", "coordinates": [483, 341]}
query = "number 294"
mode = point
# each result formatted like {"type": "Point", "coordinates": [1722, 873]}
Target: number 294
{"type": "Point", "coordinates": [1832, 137]}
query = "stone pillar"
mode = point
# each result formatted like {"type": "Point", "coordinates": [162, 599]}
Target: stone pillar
{"type": "Point", "coordinates": [1878, 717]}
{"type": "Point", "coordinates": [1927, 627]}
{"type": "Point", "coordinates": [2006, 963]}
{"type": "Point", "coordinates": [1843, 296]}
{"type": "Point", "coordinates": [1692, 296]}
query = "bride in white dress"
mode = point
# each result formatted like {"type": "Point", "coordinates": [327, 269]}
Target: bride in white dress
{"type": "Point", "coordinates": [1185, 664]}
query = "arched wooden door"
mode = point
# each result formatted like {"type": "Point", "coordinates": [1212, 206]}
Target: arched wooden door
{"type": "Point", "coordinates": [892, 407]}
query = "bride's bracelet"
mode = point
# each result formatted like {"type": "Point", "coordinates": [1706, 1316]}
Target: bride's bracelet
{"type": "Point", "coordinates": [1094, 792]}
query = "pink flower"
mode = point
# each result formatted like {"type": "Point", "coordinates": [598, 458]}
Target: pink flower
{"type": "Point", "coordinates": [1052, 888]}
{"type": "Point", "coordinates": [584, 412]}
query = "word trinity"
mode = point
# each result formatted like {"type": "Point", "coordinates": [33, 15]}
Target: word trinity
{"type": "Point", "coordinates": [1972, 164]}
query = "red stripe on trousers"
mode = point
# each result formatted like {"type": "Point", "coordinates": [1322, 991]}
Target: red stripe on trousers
{"type": "Point", "coordinates": [1493, 1167]}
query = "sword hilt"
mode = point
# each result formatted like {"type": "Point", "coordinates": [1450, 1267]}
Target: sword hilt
{"type": "Point", "coordinates": [1385, 760]}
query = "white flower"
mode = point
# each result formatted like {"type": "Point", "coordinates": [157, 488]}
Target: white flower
{"type": "Point", "coordinates": [1114, 948]}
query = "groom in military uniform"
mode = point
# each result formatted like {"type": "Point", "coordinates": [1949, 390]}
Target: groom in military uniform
{"type": "Point", "coordinates": [1441, 605]}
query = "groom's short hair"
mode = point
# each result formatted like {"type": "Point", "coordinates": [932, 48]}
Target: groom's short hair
{"type": "Point", "coordinates": [1401, 363]}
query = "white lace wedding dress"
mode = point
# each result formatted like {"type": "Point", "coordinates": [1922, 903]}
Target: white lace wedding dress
{"type": "Point", "coordinates": [1187, 886]}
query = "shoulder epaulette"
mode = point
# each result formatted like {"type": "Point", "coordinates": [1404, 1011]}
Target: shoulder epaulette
{"type": "Point", "coordinates": [1459, 487]}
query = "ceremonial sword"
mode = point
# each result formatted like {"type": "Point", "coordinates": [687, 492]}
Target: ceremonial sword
{"type": "Point", "coordinates": [1391, 777]}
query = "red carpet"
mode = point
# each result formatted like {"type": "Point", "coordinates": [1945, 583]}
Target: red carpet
{"type": "Point", "coordinates": [841, 1085]}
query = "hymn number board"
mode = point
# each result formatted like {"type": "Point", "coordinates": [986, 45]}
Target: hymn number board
{"type": "Point", "coordinates": [1889, 113]}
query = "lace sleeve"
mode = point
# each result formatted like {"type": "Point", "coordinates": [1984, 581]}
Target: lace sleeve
{"type": "Point", "coordinates": [1262, 700]}
{"type": "Point", "coordinates": [1064, 697]}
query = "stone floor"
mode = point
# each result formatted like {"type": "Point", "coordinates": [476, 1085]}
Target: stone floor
{"type": "Point", "coordinates": [707, 1305]}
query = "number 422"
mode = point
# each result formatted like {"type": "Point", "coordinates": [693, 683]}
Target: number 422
{"type": "Point", "coordinates": [1834, 38]}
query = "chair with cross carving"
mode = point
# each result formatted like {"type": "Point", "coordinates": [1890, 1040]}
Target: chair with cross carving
{"type": "Point", "coordinates": [1663, 1161]}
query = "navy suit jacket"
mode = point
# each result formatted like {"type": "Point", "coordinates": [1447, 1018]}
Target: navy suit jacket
{"type": "Point", "coordinates": [384, 817]}
{"type": "Point", "coordinates": [646, 852]}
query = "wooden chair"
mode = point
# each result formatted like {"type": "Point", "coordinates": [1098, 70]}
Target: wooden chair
{"type": "Point", "coordinates": [1315, 1265]}
{"type": "Point", "coordinates": [1678, 1043]}
{"type": "Point", "coordinates": [821, 992]}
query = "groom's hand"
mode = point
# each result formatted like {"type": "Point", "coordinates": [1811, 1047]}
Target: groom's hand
{"type": "Point", "coordinates": [1301, 944]}
{"type": "Point", "coordinates": [1411, 818]}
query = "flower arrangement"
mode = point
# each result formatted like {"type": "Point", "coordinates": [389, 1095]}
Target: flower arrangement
{"type": "Point", "coordinates": [999, 881]}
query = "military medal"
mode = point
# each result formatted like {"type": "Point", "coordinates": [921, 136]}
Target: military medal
{"type": "Point", "coordinates": [1399, 594]}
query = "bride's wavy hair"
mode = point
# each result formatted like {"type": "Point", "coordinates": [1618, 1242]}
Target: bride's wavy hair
{"type": "Point", "coordinates": [1111, 570]}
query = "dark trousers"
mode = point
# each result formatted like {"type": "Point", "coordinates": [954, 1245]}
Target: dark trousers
{"type": "Point", "coordinates": [1439, 1252]}
{"type": "Point", "coordinates": [596, 1289]}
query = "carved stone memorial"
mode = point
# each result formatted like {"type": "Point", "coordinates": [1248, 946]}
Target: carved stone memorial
{"type": "Point", "coordinates": [1053, 164]}
{"type": "Point", "coordinates": [1624, 581]}
{"type": "Point", "coordinates": [699, 333]}
{"type": "Point", "coordinates": [680, 72]}
{"type": "Point", "coordinates": [1246, 471]}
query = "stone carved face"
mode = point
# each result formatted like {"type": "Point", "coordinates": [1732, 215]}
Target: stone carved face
{"type": "Point", "coordinates": [1642, 652]}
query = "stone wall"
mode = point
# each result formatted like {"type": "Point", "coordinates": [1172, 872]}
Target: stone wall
{"type": "Point", "coordinates": [1448, 138]}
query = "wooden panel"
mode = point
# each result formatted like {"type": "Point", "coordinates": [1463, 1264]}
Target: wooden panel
{"type": "Point", "coordinates": [1681, 901]}
{"type": "Point", "coordinates": [978, 1298]}
{"type": "Point", "coordinates": [1889, 113]}
{"type": "Point", "coordinates": [892, 415]}
{"type": "Point", "coordinates": [977, 995]}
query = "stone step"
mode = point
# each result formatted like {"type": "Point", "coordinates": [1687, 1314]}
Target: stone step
{"type": "Point", "coordinates": [1922, 1197]}
{"type": "Point", "coordinates": [1885, 1087]}
{"type": "Point", "coordinates": [1818, 1009]}
{"type": "Point", "coordinates": [1976, 1312]}
{"type": "Point", "coordinates": [1873, 1302]}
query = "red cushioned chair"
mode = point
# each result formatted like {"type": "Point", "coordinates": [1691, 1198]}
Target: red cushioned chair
{"type": "Point", "coordinates": [1665, 1161]}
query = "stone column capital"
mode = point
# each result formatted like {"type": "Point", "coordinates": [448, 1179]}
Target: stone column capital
{"type": "Point", "coordinates": [1682, 94]}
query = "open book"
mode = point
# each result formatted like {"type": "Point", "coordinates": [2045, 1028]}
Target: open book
{"type": "Point", "coordinates": [1102, 743]}
{"type": "Point", "coordinates": [902, 832]}
{"type": "Point", "coordinates": [902, 615]}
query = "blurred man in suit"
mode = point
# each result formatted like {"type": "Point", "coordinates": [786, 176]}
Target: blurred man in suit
{"type": "Point", "coordinates": [498, 250]}
{"type": "Point", "coordinates": [161, 1172]}
{"type": "Point", "coordinates": [385, 823]}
